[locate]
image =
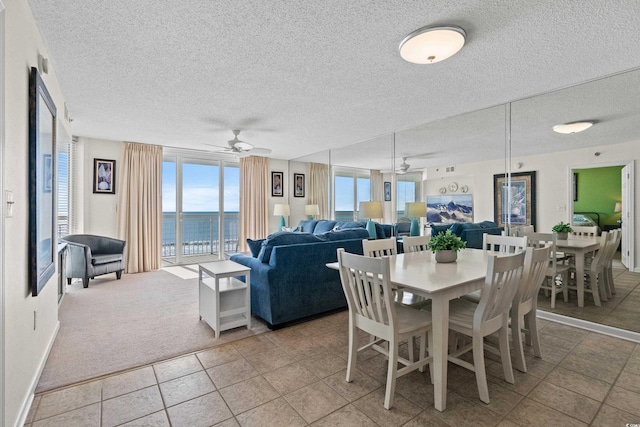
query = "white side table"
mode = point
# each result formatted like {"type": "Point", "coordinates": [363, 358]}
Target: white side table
{"type": "Point", "coordinates": [225, 301]}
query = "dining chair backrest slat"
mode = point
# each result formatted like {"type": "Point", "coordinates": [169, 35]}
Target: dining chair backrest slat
{"type": "Point", "coordinates": [379, 247]}
{"type": "Point", "coordinates": [503, 244]}
{"type": "Point", "coordinates": [501, 285]}
{"type": "Point", "coordinates": [416, 243]}
{"type": "Point", "coordinates": [584, 231]}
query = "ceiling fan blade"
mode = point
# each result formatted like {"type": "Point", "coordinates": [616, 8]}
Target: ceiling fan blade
{"type": "Point", "coordinates": [218, 146]}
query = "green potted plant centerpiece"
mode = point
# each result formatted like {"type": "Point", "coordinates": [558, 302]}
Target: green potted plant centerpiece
{"type": "Point", "coordinates": [446, 246]}
{"type": "Point", "coordinates": [562, 230]}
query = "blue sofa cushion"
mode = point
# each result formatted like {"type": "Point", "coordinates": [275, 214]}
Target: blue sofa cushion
{"type": "Point", "coordinates": [437, 229]}
{"type": "Point", "coordinates": [350, 224]}
{"type": "Point", "coordinates": [487, 224]}
{"type": "Point", "coordinates": [307, 225]}
{"type": "Point", "coordinates": [283, 238]}
{"type": "Point", "coordinates": [324, 226]}
{"type": "Point", "coordinates": [255, 246]}
{"type": "Point", "coordinates": [346, 234]}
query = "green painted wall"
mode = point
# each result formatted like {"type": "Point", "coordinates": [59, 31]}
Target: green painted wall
{"type": "Point", "coordinates": [598, 191]}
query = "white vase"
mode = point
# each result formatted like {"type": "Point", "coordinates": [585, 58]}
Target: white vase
{"type": "Point", "coordinates": [446, 256]}
{"type": "Point", "coordinates": [562, 236]}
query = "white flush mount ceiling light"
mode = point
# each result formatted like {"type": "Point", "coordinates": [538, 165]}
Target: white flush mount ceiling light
{"type": "Point", "coordinates": [429, 45]}
{"type": "Point", "coordinates": [575, 127]}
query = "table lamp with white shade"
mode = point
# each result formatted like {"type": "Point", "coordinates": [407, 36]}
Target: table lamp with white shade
{"type": "Point", "coordinates": [371, 210]}
{"type": "Point", "coordinates": [311, 210]}
{"type": "Point", "coordinates": [415, 210]}
{"type": "Point", "coordinates": [282, 210]}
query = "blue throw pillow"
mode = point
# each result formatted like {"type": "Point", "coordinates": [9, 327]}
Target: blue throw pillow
{"type": "Point", "coordinates": [457, 228]}
{"type": "Point", "coordinates": [343, 225]}
{"type": "Point", "coordinates": [487, 224]}
{"type": "Point", "coordinates": [437, 229]}
{"type": "Point", "coordinates": [255, 246]}
{"type": "Point", "coordinates": [324, 226]}
{"type": "Point", "coordinates": [282, 238]}
{"type": "Point", "coordinates": [346, 234]}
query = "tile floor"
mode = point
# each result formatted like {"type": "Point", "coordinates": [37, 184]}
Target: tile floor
{"type": "Point", "coordinates": [296, 376]}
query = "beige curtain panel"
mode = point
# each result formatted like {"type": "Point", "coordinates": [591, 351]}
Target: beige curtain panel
{"type": "Point", "coordinates": [254, 202]}
{"type": "Point", "coordinates": [140, 206]}
{"type": "Point", "coordinates": [319, 188]}
{"type": "Point", "coordinates": [377, 186]}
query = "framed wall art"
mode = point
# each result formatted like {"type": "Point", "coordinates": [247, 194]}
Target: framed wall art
{"type": "Point", "coordinates": [387, 191]}
{"type": "Point", "coordinates": [276, 184]}
{"type": "Point", "coordinates": [42, 148]}
{"type": "Point", "coordinates": [298, 185]}
{"type": "Point", "coordinates": [515, 201]}
{"type": "Point", "coordinates": [104, 176]}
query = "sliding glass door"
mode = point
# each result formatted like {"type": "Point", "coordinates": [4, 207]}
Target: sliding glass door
{"type": "Point", "coordinates": [201, 200]}
{"type": "Point", "coordinates": [351, 188]}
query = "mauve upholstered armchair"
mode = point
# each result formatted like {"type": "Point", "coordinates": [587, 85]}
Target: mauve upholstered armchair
{"type": "Point", "coordinates": [89, 256]}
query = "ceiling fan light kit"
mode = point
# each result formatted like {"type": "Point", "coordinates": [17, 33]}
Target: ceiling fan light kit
{"type": "Point", "coordinates": [429, 45]}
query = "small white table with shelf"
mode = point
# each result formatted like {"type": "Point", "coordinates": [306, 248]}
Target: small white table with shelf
{"type": "Point", "coordinates": [224, 300]}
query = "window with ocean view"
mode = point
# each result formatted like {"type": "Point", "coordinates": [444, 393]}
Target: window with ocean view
{"type": "Point", "coordinates": [350, 190]}
{"type": "Point", "coordinates": [407, 191]}
{"type": "Point", "coordinates": [200, 200]}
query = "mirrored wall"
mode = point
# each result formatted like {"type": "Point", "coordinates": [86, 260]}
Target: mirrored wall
{"type": "Point", "coordinates": [459, 160]}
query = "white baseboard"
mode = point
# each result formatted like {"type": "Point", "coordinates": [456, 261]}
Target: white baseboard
{"type": "Point", "coordinates": [590, 326]}
{"type": "Point", "coordinates": [28, 400]}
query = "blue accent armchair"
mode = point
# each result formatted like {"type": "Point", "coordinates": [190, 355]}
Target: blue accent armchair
{"type": "Point", "coordinates": [89, 256]}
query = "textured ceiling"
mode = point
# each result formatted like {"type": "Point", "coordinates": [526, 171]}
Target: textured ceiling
{"type": "Point", "coordinates": [302, 76]}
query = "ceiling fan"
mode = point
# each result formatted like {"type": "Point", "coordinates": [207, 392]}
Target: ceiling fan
{"type": "Point", "coordinates": [404, 167]}
{"type": "Point", "coordinates": [241, 148]}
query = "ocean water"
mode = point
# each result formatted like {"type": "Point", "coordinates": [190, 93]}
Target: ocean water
{"type": "Point", "coordinates": [200, 232]}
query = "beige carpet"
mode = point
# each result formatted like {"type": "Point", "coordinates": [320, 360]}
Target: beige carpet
{"type": "Point", "coordinates": [116, 325]}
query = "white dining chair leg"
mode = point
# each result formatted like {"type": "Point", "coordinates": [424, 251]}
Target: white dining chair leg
{"type": "Point", "coordinates": [410, 345]}
{"type": "Point", "coordinates": [531, 323]}
{"type": "Point", "coordinates": [423, 350]}
{"type": "Point", "coordinates": [479, 368]}
{"type": "Point", "coordinates": [516, 335]}
{"type": "Point", "coordinates": [503, 336]}
{"type": "Point", "coordinates": [552, 281]}
{"type": "Point", "coordinates": [353, 351]}
{"type": "Point", "coordinates": [392, 371]}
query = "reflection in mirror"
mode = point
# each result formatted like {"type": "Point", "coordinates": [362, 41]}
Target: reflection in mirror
{"type": "Point", "coordinates": [455, 160]}
{"type": "Point", "coordinates": [580, 180]}
{"type": "Point", "coordinates": [360, 172]}
{"type": "Point", "coordinates": [315, 168]}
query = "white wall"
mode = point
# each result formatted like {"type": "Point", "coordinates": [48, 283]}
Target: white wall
{"type": "Point", "coordinates": [553, 203]}
{"type": "Point", "coordinates": [26, 347]}
{"type": "Point", "coordinates": [99, 211]}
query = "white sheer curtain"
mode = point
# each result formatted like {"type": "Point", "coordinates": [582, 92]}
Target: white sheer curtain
{"type": "Point", "coordinates": [377, 186]}
{"type": "Point", "coordinates": [140, 206]}
{"type": "Point", "coordinates": [254, 202]}
{"type": "Point", "coordinates": [319, 188]}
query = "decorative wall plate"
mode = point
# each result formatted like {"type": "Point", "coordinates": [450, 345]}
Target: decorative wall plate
{"type": "Point", "coordinates": [443, 190]}
{"type": "Point", "coordinates": [464, 188]}
{"type": "Point", "coordinates": [453, 186]}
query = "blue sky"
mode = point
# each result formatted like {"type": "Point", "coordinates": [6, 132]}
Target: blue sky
{"type": "Point", "coordinates": [200, 188]}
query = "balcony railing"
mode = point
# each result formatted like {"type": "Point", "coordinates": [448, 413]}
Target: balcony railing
{"type": "Point", "coordinates": [200, 233]}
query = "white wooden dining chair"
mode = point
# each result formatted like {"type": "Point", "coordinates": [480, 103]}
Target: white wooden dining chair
{"type": "Point", "coordinates": [367, 287]}
{"type": "Point", "coordinates": [379, 247]}
{"type": "Point", "coordinates": [416, 243]}
{"type": "Point", "coordinates": [503, 244]}
{"type": "Point", "coordinates": [521, 230]}
{"type": "Point", "coordinates": [489, 316]}
{"type": "Point", "coordinates": [594, 275]}
{"type": "Point", "coordinates": [525, 304]}
{"type": "Point", "coordinates": [557, 274]}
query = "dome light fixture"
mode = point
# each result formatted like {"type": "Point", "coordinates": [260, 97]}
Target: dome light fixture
{"type": "Point", "coordinates": [429, 45]}
{"type": "Point", "coordinates": [570, 128]}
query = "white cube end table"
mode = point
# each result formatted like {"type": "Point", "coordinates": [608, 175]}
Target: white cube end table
{"type": "Point", "coordinates": [224, 300]}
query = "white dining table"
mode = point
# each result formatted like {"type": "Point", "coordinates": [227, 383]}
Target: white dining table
{"type": "Point", "coordinates": [420, 274]}
{"type": "Point", "coordinates": [579, 247]}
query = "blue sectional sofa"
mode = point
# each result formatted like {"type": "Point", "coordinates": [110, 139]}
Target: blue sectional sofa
{"type": "Point", "coordinates": [469, 232]}
{"type": "Point", "coordinates": [289, 277]}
